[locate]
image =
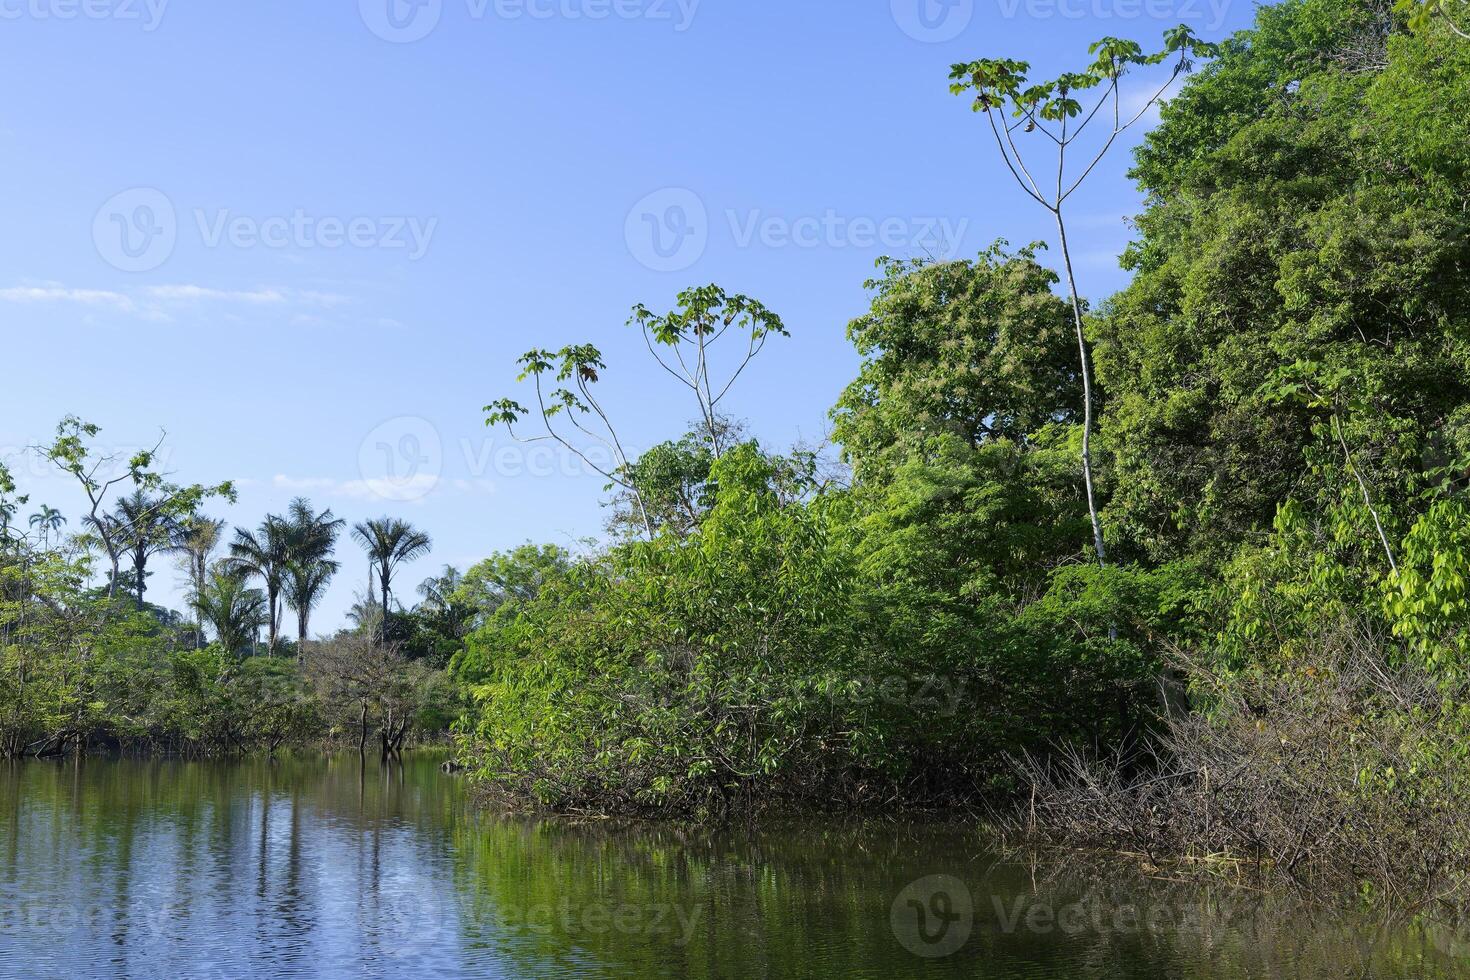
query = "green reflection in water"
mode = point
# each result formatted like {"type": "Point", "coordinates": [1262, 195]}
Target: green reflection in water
{"type": "Point", "coordinates": [323, 867]}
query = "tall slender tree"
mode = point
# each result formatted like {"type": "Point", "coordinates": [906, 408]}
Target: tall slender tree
{"type": "Point", "coordinates": [195, 539]}
{"type": "Point", "coordinates": [1049, 110]}
{"type": "Point", "coordinates": [682, 342]}
{"type": "Point", "coordinates": [47, 521]}
{"type": "Point", "coordinates": [145, 526]}
{"type": "Point", "coordinates": [265, 553]}
{"type": "Point", "coordinates": [388, 542]}
{"type": "Point", "coordinates": [310, 566]}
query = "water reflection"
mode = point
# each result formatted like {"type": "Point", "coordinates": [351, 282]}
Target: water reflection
{"type": "Point", "coordinates": [322, 867]}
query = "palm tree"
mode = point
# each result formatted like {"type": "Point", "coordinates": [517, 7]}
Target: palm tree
{"type": "Point", "coordinates": [47, 520]}
{"type": "Point", "coordinates": [438, 590]}
{"type": "Point", "coordinates": [145, 527]}
{"type": "Point", "coordinates": [195, 539]}
{"type": "Point", "coordinates": [311, 538]}
{"type": "Point", "coordinates": [389, 541]}
{"type": "Point", "coordinates": [365, 613]}
{"type": "Point", "coordinates": [227, 603]}
{"type": "Point", "coordinates": [266, 553]}
{"type": "Point", "coordinates": [7, 511]}
{"type": "Point", "coordinates": [449, 613]}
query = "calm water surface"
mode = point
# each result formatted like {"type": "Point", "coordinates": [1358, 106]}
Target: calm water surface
{"type": "Point", "coordinates": [322, 868]}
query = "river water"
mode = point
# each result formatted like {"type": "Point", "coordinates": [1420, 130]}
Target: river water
{"type": "Point", "coordinates": [318, 867]}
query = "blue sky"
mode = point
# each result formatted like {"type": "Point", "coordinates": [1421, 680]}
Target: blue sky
{"type": "Point", "coordinates": [309, 239]}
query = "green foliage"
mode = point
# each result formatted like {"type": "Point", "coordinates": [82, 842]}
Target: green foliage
{"type": "Point", "coordinates": [979, 350]}
{"type": "Point", "coordinates": [673, 480]}
{"type": "Point", "coordinates": [1001, 83]}
{"type": "Point", "coordinates": [1285, 422]}
{"type": "Point", "coordinates": [1306, 216]}
{"type": "Point", "coordinates": [1284, 405]}
{"type": "Point", "coordinates": [1428, 600]}
{"type": "Point", "coordinates": [680, 673]}
{"type": "Point", "coordinates": [976, 521]}
{"type": "Point", "coordinates": [806, 651]}
{"type": "Point", "coordinates": [231, 607]}
{"type": "Point", "coordinates": [84, 667]}
{"type": "Point", "coordinates": [1428, 16]}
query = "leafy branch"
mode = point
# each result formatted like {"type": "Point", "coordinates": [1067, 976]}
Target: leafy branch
{"type": "Point", "coordinates": [704, 315]}
{"type": "Point", "coordinates": [99, 473]}
{"type": "Point", "coordinates": [1049, 109]}
{"type": "Point", "coordinates": [563, 381]}
{"type": "Point", "coordinates": [681, 341]}
{"type": "Point", "coordinates": [1421, 12]}
{"type": "Point", "coordinates": [1307, 384]}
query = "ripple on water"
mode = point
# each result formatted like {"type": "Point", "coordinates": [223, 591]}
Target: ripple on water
{"type": "Point", "coordinates": [320, 867]}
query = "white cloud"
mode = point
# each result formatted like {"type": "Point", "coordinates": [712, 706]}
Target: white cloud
{"type": "Point", "coordinates": [192, 293]}
{"type": "Point", "coordinates": [398, 491]}
{"type": "Point", "coordinates": [161, 303]}
{"type": "Point", "coordinates": [61, 294]}
{"type": "Point", "coordinates": [283, 482]}
{"type": "Point", "coordinates": [315, 297]}
{"type": "Point", "coordinates": [411, 490]}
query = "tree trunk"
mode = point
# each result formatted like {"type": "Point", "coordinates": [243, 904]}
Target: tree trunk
{"type": "Point", "coordinates": [273, 602]}
{"type": "Point", "coordinates": [1086, 364]}
{"type": "Point", "coordinates": [199, 575]}
{"type": "Point", "coordinates": [383, 627]}
{"type": "Point", "coordinates": [397, 746]}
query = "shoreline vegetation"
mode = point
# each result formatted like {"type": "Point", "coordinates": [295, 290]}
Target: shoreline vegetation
{"type": "Point", "coordinates": [1182, 574]}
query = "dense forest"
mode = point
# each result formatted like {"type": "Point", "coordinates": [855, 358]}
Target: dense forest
{"type": "Point", "coordinates": [1183, 571]}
